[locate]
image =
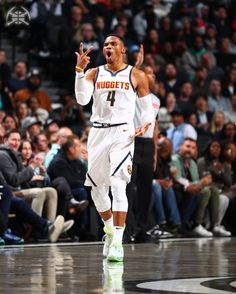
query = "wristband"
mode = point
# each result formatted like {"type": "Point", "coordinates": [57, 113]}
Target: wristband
{"type": "Point", "coordinates": [79, 69]}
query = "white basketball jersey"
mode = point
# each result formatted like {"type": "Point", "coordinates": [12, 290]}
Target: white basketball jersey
{"type": "Point", "coordinates": [113, 97]}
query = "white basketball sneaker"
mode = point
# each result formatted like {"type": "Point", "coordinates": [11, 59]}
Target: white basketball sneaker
{"type": "Point", "coordinates": [107, 238]}
{"type": "Point", "coordinates": [116, 252]}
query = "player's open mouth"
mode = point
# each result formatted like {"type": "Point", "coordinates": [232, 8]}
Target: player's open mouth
{"type": "Point", "coordinates": [108, 53]}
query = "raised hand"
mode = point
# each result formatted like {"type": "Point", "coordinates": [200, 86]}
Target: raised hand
{"type": "Point", "coordinates": [140, 57]}
{"type": "Point", "coordinates": [82, 57]}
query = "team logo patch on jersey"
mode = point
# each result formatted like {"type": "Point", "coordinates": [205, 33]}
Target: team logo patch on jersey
{"type": "Point", "coordinates": [129, 169]}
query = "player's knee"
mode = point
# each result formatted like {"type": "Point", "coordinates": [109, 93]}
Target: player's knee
{"type": "Point", "coordinates": [101, 198]}
{"type": "Point", "coordinates": [118, 189]}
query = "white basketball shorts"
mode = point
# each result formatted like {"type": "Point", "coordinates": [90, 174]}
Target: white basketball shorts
{"type": "Point", "coordinates": [110, 153]}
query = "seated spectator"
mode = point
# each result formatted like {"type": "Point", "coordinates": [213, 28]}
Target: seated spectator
{"type": "Point", "coordinates": [211, 37]}
{"type": "Point", "coordinates": [145, 19]}
{"type": "Point", "coordinates": [221, 20]}
{"type": "Point", "coordinates": [200, 85]}
{"type": "Point", "coordinates": [164, 206]}
{"type": "Point", "coordinates": [214, 70]}
{"type": "Point", "coordinates": [224, 56]}
{"type": "Point", "coordinates": [229, 85]}
{"type": "Point", "coordinates": [66, 202]}
{"type": "Point", "coordinates": [204, 116]}
{"type": "Point", "coordinates": [9, 122]}
{"type": "Point", "coordinates": [32, 126]}
{"type": "Point", "coordinates": [166, 30]}
{"type": "Point", "coordinates": [228, 132]}
{"type": "Point", "coordinates": [21, 112]}
{"type": "Point", "coordinates": [170, 80]}
{"type": "Point", "coordinates": [181, 130]}
{"type": "Point", "coordinates": [221, 174]}
{"type": "Point", "coordinates": [18, 80]}
{"type": "Point", "coordinates": [164, 115]}
{"type": "Point", "coordinates": [67, 164]}
{"type": "Point", "coordinates": [51, 126]}
{"type": "Point", "coordinates": [229, 158]}
{"type": "Point", "coordinates": [18, 177]}
{"type": "Point", "coordinates": [36, 110]}
{"type": "Point", "coordinates": [33, 89]}
{"type": "Point", "coordinates": [231, 115]}
{"type": "Point", "coordinates": [60, 138]}
{"type": "Point", "coordinates": [216, 101]}
{"type": "Point", "coordinates": [217, 123]}
{"type": "Point", "coordinates": [40, 143]}
{"type": "Point", "coordinates": [207, 193]}
{"type": "Point", "coordinates": [184, 100]}
{"type": "Point", "coordinates": [191, 59]}
{"type": "Point", "coordinates": [151, 42]}
{"type": "Point", "coordinates": [72, 114]}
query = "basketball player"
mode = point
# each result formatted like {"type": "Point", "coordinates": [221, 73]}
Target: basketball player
{"type": "Point", "coordinates": [114, 87]}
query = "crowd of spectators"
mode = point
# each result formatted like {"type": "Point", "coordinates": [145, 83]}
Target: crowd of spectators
{"type": "Point", "coordinates": [191, 48]}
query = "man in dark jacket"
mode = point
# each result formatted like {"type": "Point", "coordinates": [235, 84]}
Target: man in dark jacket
{"type": "Point", "coordinates": [67, 164]}
{"type": "Point", "coordinates": [18, 177]}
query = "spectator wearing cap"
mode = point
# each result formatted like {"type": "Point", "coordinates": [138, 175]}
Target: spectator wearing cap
{"type": "Point", "coordinates": [32, 125]}
{"type": "Point", "coordinates": [33, 89]}
{"type": "Point", "coordinates": [18, 80]}
{"type": "Point", "coordinates": [51, 126]}
{"type": "Point", "coordinates": [181, 130]}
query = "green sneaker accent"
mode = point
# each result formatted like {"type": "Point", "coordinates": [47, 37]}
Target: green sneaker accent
{"type": "Point", "coordinates": [107, 238]}
{"type": "Point", "coordinates": [116, 252]}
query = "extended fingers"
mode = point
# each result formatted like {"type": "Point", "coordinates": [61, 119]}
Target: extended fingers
{"type": "Point", "coordinates": [88, 51]}
{"type": "Point", "coordinates": [81, 48]}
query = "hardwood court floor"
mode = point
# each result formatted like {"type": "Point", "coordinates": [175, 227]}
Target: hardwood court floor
{"type": "Point", "coordinates": [170, 266]}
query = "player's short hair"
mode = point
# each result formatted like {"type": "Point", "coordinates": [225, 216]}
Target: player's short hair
{"type": "Point", "coordinates": [117, 36]}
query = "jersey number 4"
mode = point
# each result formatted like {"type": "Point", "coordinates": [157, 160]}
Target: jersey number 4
{"type": "Point", "coordinates": [111, 97]}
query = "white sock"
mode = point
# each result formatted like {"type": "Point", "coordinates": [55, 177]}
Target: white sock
{"type": "Point", "coordinates": [118, 235]}
{"type": "Point", "coordinates": [109, 225]}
